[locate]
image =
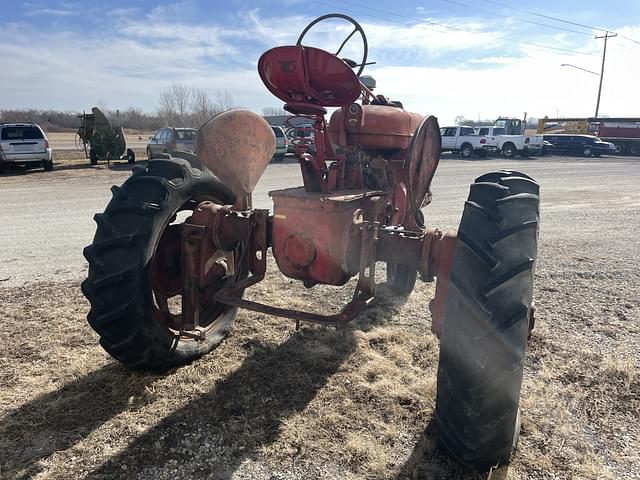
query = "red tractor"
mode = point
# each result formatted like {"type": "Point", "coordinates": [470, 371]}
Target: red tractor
{"type": "Point", "coordinates": [179, 242]}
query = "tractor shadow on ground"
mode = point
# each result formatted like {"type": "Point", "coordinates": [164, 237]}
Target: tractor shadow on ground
{"type": "Point", "coordinates": [58, 420]}
{"type": "Point", "coordinates": [242, 413]}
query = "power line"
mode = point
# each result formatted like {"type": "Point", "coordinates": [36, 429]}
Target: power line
{"type": "Point", "coordinates": [546, 25]}
{"type": "Point", "coordinates": [559, 19]}
{"type": "Point", "coordinates": [432, 23]}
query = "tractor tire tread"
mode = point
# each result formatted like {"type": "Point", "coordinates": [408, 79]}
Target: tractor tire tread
{"type": "Point", "coordinates": [118, 284]}
{"type": "Point", "coordinates": [485, 330]}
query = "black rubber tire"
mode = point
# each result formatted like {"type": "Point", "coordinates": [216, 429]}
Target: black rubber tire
{"type": "Point", "coordinates": [401, 278]}
{"type": "Point", "coordinates": [47, 165]}
{"type": "Point", "coordinates": [119, 285]}
{"type": "Point", "coordinates": [634, 149]}
{"type": "Point", "coordinates": [149, 154]}
{"type": "Point", "coordinates": [466, 150]}
{"type": "Point", "coordinates": [587, 151]}
{"type": "Point", "coordinates": [93, 157]}
{"type": "Point", "coordinates": [486, 321]}
{"type": "Point", "coordinates": [509, 150]}
{"type": "Point", "coordinates": [131, 156]}
{"type": "Point", "coordinates": [2, 167]}
{"type": "Point", "coordinates": [278, 158]}
{"type": "Point", "coordinates": [620, 150]}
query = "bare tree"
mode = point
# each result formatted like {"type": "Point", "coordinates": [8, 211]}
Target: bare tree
{"type": "Point", "coordinates": [202, 107]}
{"type": "Point", "coordinates": [274, 111]}
{"type": "Point", "coordinates": [224, 101]}
{"type": "Point", "coordinates": [174, 103]}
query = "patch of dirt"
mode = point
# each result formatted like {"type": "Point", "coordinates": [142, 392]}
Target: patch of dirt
{"type": "Point", "coordinates": [351, 402]}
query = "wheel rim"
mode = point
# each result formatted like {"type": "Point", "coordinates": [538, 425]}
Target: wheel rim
{"type": "Point", "coordinates": [166, 279]}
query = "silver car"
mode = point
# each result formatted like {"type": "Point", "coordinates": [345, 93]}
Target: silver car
{"type": "Point", "coordinates": [169, 139]}
{"type": "Point", "coordinates": [24, 144]}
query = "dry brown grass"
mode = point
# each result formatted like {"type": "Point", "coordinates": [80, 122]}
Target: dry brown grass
{"type": "Point", "coordinates": [352, 402]}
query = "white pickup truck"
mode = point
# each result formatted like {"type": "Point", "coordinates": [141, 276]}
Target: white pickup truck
{"type": "Point", "coordinates": [511, 145]}
{"type": "Point", "coordinates": [465, 141]}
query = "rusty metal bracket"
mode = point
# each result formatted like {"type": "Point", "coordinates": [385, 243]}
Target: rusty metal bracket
{"type": "Point", "coordinates": [192, 236]}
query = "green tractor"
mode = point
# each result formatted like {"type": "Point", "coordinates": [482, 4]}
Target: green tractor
{"type": "Point", "coordinates": [100, 140]}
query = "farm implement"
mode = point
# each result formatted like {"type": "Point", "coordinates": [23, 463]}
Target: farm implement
{"type": "Point", "coordinates": [100, 140]}
{"type": "Point", "coordinates": [179, 242]}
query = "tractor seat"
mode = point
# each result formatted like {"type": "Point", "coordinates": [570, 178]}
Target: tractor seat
{"type": "Point", "coordinates": [308, 78]}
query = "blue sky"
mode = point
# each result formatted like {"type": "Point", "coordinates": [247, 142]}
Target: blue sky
{"type": "Point", "coordinates": [468, 57]}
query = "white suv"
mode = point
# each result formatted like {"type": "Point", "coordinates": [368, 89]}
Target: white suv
{"type": "Point", "coordinates": [281, 143]}
{"type": "Point", "coordinates": [24, 143]}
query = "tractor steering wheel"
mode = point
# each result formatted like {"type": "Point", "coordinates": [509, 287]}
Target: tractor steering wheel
{"type": "Point", "coordinates": [357, 28]}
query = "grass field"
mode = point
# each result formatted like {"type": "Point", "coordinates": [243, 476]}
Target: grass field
{"type": "Point", "coordinates": [349, 403]}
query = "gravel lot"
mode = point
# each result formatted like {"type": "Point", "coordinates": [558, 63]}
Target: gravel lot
{"type": "Point", "coordinates": [356, 402]}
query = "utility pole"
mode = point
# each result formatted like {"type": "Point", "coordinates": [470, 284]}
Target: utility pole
{"type": "Point", "coordinates": [604, 55]}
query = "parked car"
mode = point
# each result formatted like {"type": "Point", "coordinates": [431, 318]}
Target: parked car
{"type": "Point", "coordinates": [465, 141]}
{"type": "Point", "coordinates": [301, 139]}
{"type": "Point", "coordinates": [587, 145]}
{"type": "Point", "coordinates": [512, 144]}
{"type": "Point", "coordinates": [281, 143]}
{"type": "Point", "coordinates": [24, 144]}
{"type": "Point", "coordinates": [169, 139]}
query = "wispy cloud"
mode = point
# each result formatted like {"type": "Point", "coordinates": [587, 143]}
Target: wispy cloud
{"type": "Point", "coordinates": [58, 12]}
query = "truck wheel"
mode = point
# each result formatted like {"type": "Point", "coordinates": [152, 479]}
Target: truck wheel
{"type": "Point", "coordinates": [401, 278]}
{"type": "Point", "coordinates": [619, 148]}
{"type": "Point", "coordinates": [509, 150]}
{"type": "Point", "coordinates": [466, 150]}
{"type": "Point", "coordinates": [93, 157]}
{"type": "Point", "coordinates": [634, 149]}
{"type": "Point", "coordinates": [134, 283]}
{"type": "Point", "coordinates": [486, 321]}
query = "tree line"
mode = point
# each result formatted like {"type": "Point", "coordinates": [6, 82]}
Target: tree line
{"type": "Point", "coordinates": [178, 106]}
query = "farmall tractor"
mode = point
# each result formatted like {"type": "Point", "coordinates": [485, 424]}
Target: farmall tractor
{"type": "Point", "coordinates": [179, 242]}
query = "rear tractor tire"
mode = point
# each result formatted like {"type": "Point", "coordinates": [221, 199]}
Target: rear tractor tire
{"type": "Point", "coordinates": [134, 283]}
{"type": "Point", "coordinates": [486, 321]}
